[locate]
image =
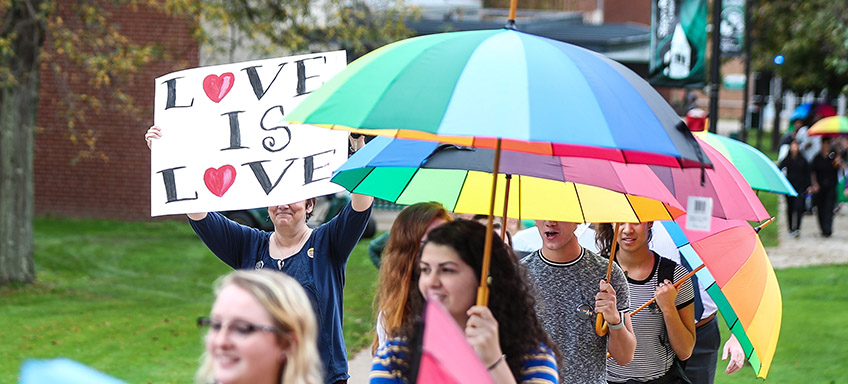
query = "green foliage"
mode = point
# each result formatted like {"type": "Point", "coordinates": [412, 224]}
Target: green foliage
{"type": "Point", "coordinates": [123, 298]}
{"type": "Point", "coordinates": [811, 35]}
{"type": "Point", "coordinates": [298, 26]}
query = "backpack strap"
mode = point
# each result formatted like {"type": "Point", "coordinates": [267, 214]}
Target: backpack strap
{"type": "Point", "coordinates": [665, 270]}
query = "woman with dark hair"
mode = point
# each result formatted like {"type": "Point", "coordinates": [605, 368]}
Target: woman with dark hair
{"type": "Point", "coordinates": [664, 330]}
{"type": "Point", "coordinates": [410, 228]}
{"type": "Point", "coordinates": [507, 336]}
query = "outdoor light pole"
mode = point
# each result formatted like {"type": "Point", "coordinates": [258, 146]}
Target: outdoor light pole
{"type": "Point", "coordinates": [745, 122]}
{"type": "Point", "coordinates": [715, 61]}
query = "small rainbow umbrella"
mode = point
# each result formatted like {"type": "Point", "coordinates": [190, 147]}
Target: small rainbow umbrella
{"type": "Point", "coordinates": [757, 169]}
{"type": "Point", "coordinates": [740, 279]}
{"type": "Point", "coordinates": [830, 126]}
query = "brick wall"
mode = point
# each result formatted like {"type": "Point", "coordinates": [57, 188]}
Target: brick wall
{"type": "Point", "coordinates": [120, 187]}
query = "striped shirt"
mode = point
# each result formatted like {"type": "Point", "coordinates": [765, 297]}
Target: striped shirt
{"type": "Point", "coordinates": [390, 365]}
{"type": "Point", "coordinates": [653, 356]}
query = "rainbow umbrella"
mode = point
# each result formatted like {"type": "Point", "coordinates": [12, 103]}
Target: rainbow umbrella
{"type": "Point", "coordinates": [732, 197]}
{"type": "Point", "coordinates": [535, 94]}
{"type": "Point", "coordinates": [740, 279]}
{"type": "Point", "coordinates": [504, 88]}
{"type": "Point", "coordinates": [585, 190]}
{"type": "Point", "coordinates": [757, 169]}
{"type": "Point", "coordinates": [830, 126]}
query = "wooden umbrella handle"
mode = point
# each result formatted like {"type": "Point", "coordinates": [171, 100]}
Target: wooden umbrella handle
{"type": "Point", "coordinates": [483, 289]}
{"type": "Point", "coordinates": [601, 326]}
{"type": "Point", "coordinates": [676, 285]}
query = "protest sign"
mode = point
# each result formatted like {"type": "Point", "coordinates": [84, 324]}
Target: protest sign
{"type": "Point", "coordinates": [224, 144]}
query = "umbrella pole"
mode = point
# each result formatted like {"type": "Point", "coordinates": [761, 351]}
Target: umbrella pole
{"type": "Point", "coordinates": [506, 206]}
{"type": "Point", "coordinates": [601, 327]}
{"type": "Point", "coordinates": [483, 289]}
{"type": "Point", "coordinates": [513, 6]}
{"type": "Point", "coordinates": [676, 285]}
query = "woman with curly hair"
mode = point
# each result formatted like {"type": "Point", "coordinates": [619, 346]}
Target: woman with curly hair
{"type": "Point", "coordinates": [410, 228]}
{"type": "Point", "coordinates": [664, 330]}
{"type": "Point", "coordinates": [506, 336]}
{"type": "Point", "coordinates": [261, 330]}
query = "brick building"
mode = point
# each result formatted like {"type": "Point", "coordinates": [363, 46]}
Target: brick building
{"type": "Point", "coordinates": [117, 188]}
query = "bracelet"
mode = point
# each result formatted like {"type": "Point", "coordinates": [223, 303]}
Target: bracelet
{"type": "Point", "coordinates": [495, 364]}
{"type": "Point", "coordinates": [620, 324]}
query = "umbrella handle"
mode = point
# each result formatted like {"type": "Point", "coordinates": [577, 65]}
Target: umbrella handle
{"type": "Point", "coordinates": [676, 285]}
{"type": "Point", "coordinates": [601, 326]}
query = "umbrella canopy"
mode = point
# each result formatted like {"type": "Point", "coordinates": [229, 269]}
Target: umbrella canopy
{"type": "Point", "coordinates": [732, 197]}
{"type": "Point", "coordinates": [535, 94]}
{"type": "Point", "coordinates": [801, 112]}
{"type": "Point", "coordinates": [757, 169]}
{"type": "Point", "coordinates": [541, 188]}
{"type": "Point", "coordinates": [740, 279]}
{"type": "Point", "coordinates": [830, 126]}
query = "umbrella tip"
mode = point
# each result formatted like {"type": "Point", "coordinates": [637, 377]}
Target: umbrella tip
{"type": "Point", "coordinates": [510, 24]}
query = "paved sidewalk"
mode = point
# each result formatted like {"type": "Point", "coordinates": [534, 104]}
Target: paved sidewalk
{"type": "Point", "coordinates": [810, 248]}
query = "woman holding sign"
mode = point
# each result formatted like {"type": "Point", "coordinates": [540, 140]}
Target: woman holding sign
{"type": "Point", "coordinates": [316, 258]}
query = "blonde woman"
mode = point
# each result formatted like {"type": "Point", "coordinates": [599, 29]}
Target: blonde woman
{"type": "Point", "coordinates": [262, 330]}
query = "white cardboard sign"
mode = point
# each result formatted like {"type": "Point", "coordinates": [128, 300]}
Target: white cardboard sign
{"type": "Point", "coordinates": [224, 144]}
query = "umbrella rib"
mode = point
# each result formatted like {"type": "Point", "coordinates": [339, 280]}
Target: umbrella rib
{"type": "Point", "coordinates": [632, 208]}
{"type": "Point", "coordinates": [358, 183]}
{"type": "Point", "coordinates": [579, 202]}
{"type": "Point", "coordinates": [405, 186]}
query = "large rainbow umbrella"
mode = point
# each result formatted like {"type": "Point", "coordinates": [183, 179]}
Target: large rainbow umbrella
{"type": "Point", "coordinates": [533, 93]}
{"type": "Point", "coordinates": [504, 89]}
{"type": "Point", "coordinates": [740, 279]}
{"type": "Point", "coordinates": [830, 126]}
{"type": "Point", "coordinates": [757, 169]}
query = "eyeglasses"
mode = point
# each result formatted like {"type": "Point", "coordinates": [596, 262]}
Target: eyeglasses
{"type": "Point", "coordinates": [239, 328]}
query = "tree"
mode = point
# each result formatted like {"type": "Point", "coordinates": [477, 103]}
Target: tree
{"type": "Point", "coordinates": [811, 36]}
{"type": "Point", "coordinates": [80, 43]}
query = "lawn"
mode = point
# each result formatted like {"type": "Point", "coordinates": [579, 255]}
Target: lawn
{"type": "Point", "coordinates": [123, 298]}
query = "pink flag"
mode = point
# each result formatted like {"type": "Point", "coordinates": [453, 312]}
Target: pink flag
{"type": "Point", "coordinates": [446, 357]}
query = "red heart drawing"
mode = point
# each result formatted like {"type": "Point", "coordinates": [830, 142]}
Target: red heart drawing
{"type": "Point", "coordinates": [218, 181]}
{"type": "Point", "coordinates": [216, 87]}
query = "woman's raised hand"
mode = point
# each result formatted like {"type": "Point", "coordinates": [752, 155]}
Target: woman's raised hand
{"type": "Point", "coordinates": [153, 133]}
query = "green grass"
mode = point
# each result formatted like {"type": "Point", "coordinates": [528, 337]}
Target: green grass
{"type": "Point", "coordinates": [812, 346]}
{"type": "Point", "coordinates": [123, 298]}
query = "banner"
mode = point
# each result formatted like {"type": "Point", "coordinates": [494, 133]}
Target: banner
{"type": "Point", "coordinates": [732, 27]}
{"type": "Point", "coordinates": [224, 144]}
{"type": "Point", "coordinates": [678, 43]}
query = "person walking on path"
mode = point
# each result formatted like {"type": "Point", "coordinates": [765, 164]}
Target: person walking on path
{"type": "Point", "coordinates": [665, 331]}
{"type": "Point", "coordinates": [569, 291]}
{"type": "Point", "coordinates": [826, 165]}
{"type": "Point", "coordinates": [798, 171]}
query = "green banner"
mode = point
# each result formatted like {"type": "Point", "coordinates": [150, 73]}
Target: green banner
{"type": "Point", "coordinates": [732, 27]}
{"type": "Point", "coordinates": [678, 43]}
